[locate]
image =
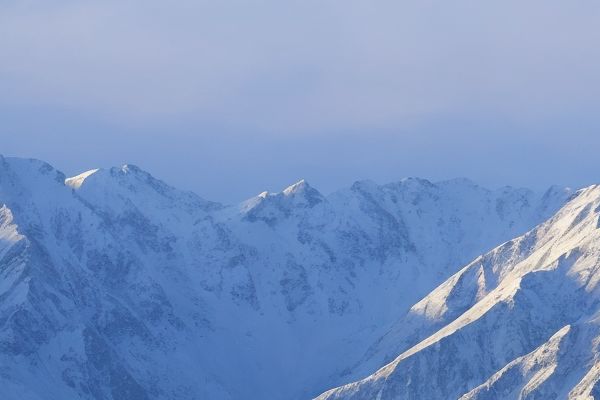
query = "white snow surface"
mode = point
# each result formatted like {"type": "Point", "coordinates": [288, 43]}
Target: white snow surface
{"type": "Point", "coordinates": [520, 322]}
{"type": "Point", "coordinates": [115, 285]}
{"type": "Point", "coordinates": [76, 181]}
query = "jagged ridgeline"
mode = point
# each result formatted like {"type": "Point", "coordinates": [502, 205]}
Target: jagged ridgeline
{"type": "Point", "coordinates": [520, 322]}
{"type": "Point", "coordinates": [115, 285]}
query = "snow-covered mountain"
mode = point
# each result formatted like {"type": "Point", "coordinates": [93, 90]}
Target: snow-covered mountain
{"type": "Point", "coordinates": [114, 285]}
{"type": "Point", "coordinates": [520, 322]}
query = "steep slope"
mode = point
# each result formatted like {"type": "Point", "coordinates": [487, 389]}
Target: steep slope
{"type": "Point", "coordinates": [519, 322]}
{"type": "Point", "coordinates": [87, 315]}
{"type": "Point", "coordinates": [118, 286]}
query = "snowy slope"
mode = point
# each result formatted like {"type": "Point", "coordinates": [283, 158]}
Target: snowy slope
{"type": "Point", "coordinates": [115, 285]}
{"type": "Point", "coordinates": [520, 322]}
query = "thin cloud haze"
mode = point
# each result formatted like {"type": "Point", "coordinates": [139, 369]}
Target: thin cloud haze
{"type": "Point", "coordinates": [253, 95]}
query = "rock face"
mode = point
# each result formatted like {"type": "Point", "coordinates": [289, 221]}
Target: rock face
{"type": "Point", "coordinates": [114, 285]}
{"type": "Point", "coordinates": [521, 322]}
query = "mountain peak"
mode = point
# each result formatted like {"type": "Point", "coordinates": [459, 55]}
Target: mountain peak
{"type": "Point", "coordinates": [75, 182]}
{"type": "Point", "coordinates": [130, 174]}
{"type": "Point", "coordinates": [303, 194]}
{"type": "Point", "coordinates": [270, 207]}
{"type": "Point", "coordinates": [297, 187]}
{"type": "Point", "coordinates": [131, 168]}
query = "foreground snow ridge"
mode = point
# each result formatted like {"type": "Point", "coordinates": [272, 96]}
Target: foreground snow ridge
{"type": "Point", "coordinates": [115, 285]}
{"type": "Point", "coordinates": [521, 322]}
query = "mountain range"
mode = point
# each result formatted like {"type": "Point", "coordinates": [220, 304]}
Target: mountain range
{"type": "Point", "coordinates": [115, 285]}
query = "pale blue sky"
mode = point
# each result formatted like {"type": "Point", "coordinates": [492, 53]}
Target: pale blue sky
{"type": "Point", "coordinates": [229, 98]}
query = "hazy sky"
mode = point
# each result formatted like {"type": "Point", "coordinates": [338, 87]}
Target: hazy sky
{"type": "Point", "coordinates": [230, 98]}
